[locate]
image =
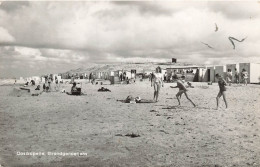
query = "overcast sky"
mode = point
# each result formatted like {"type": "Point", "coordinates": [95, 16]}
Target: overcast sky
{"type": "Point", "coordinates": [50, 37]}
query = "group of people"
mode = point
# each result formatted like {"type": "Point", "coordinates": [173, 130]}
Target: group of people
{"type": "Point", "coordinates": [243, 75]}
{"type": "Point", "coordinates": [157, 82]}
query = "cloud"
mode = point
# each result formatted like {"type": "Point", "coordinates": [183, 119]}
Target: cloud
{"type": "Point", "coordinates": [236, 9]}
{"type": "Point", "coordinates": [12, 6]}
{"type": "Point", "coordinates": [54, 35]}
{"type": "Point", "coordinates": [5, 37]}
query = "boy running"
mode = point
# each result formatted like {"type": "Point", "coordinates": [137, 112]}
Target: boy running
{"type": "Point", "coordinates": [182, 89]}
{"type": "Point", "coordinates": [222, 89]}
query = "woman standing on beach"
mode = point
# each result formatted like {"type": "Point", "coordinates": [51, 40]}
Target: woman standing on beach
{"type": "Point", "coordinates": [222, 89]}
{"type": "Point", "coordinates": [157, 82]}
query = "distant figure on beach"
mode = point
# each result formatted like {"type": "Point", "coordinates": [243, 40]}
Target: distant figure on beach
{"type": "Point", "coordinates": [222, 89]}
{"type": "Point", "coordinates": [38, 87]}
{"type": "Point", "coordinates": [90, 77]}
{"type": "Point", "coordinates": [165, 77]}
{"type": "Point", "coordinates": [49, 84]}
{"type": "Point", "coordinates": [74, 87]}
{"type": "Point", "coordinates": [26, 84]}
{"type": "Point", "coordinates": [44, 87]}
{"type": "Point", "coordinates": [244, 75]}
{"type": "Point", "coordinates": [57, 86]}
{"type": "Point", "coordinates": [32, 82]}
{"type": "Point", "coordinates": [124, 76]}
{"type": "Point", "coordinates": [121, 77]}
{"type": "Point", "coordinates": [182, 89]}
{"type": "Point", "coordinates": [229, 77]}
{"type": "Point", "coordinates": [236, 76]}
{"type": "Point", "coordinates": [157, 82]}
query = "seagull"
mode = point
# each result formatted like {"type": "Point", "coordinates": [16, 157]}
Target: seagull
{"type": "Point", "coordinates": [207, 45]}
{"type": "Point", "coordinates": [216, 27]}
{"type": "Point", "coordinates": [232, 38]}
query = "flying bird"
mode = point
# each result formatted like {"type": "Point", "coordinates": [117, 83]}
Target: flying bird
{"type": "Point", "coordinates": [216, 27]}
{"type": "Point", "coordinates": [207, 45]}
{"type": "Point", "coordinates": [232, 38]}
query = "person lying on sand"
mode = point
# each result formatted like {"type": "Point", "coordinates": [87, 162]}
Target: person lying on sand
{"type": "Point", "coordinates": [26, 84]}
{"type": "Point", "coordinates": [102, 89]}
{"type": "Point", "coordinates": [222, 89]}
{"type": "Point", "coordinates": [182, 89]}
{"type": "Point", "coordinates": [38, 87]}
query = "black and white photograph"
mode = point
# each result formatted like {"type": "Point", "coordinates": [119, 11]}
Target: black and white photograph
{"type": "Point", "coordinates": [152, 83]}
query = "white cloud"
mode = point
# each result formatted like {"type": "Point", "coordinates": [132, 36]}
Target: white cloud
{"type": "Point", "coordinates": [74, 33]}
{"type": "Point", "coordinates": [5, 37]}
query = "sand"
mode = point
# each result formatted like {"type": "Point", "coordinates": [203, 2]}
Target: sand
{"type": "Point", "coordinates": [97, 123]}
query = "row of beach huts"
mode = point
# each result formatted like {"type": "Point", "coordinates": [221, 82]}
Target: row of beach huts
{"type": "Point", "coordinates": [191, 72]}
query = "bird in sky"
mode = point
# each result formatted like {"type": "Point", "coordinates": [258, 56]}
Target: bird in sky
{"type": "Point", "coordinates": [232, 42]}
{"type": "Point", "coordinates": [207, 45]}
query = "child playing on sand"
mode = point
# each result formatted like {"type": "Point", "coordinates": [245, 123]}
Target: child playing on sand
{"type": "Point", "coordinates": [222, 89]}
{"type": "Point", "coordinates": [182, 89]}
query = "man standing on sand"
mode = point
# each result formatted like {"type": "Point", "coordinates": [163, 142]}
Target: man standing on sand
{"type": "Point", "coordinates": [182, 89]}
{"type": "Point", "coordinates": [222, 89]}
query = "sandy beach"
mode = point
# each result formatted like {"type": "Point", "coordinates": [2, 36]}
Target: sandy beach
{"type": "Point", "coordinates": [96, 124]}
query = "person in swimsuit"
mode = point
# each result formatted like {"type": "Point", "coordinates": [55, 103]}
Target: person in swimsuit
{"type": "Point", "coordinates": [157, 82]}
{"type": "Point", "coordinates": [236, 76]}
{"type": "Point", "coordinates": [182, 89]}
{"type": "Point", "coordinates": [229, 77]}
{"type": "Point", "coordinates": [222, 89]}
{"type": "Point", "coordinates": [244, 75]}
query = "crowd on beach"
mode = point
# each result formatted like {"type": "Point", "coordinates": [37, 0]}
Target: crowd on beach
{"type": "Point", "coordinates": [157, 80]}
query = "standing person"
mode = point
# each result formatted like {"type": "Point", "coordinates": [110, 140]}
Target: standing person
{"type": "Point", "coordinates": [229, 77]}
{"type": "Point", "coordinates": [157, 82]}
{"type": "Point", "coordinates": [222, 89]}
{"type": "Point", "coordinates": [236, 76]}
{"type": "Point", "coordinates": [182, 89]}
{"type": "Point", "coordinates": [57, 83]}
{"type": "Point", "coordinates": [244, 75]}
{"type": "Point", "coordinates": [121, 77]}
{"type": "Point", "coordinates": [90, 76]}
{"type": "Point", "coordinates": [49, 82]}
{"type": "Point", "coordinates": [124, 76]}
{"type": "Point", "coordinates": [165, 77]}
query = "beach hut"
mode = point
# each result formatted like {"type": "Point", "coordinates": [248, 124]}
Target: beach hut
{"type": "Point", "coordinates": [195, 76]}
{"type": "Point", "coordinates": [211, 73]}
{"type": "Point", "coordinates": [221, 70]}
{"type": "Point", "coordinates": [203, 75]}
{"type": "Point", "coordinates": [253, 70]}
{"type": "Point", "coordinates": [232, 67]}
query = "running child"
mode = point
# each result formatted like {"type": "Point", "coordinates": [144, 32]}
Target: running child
{"type": "Point", "coordinates": [182, 89]}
